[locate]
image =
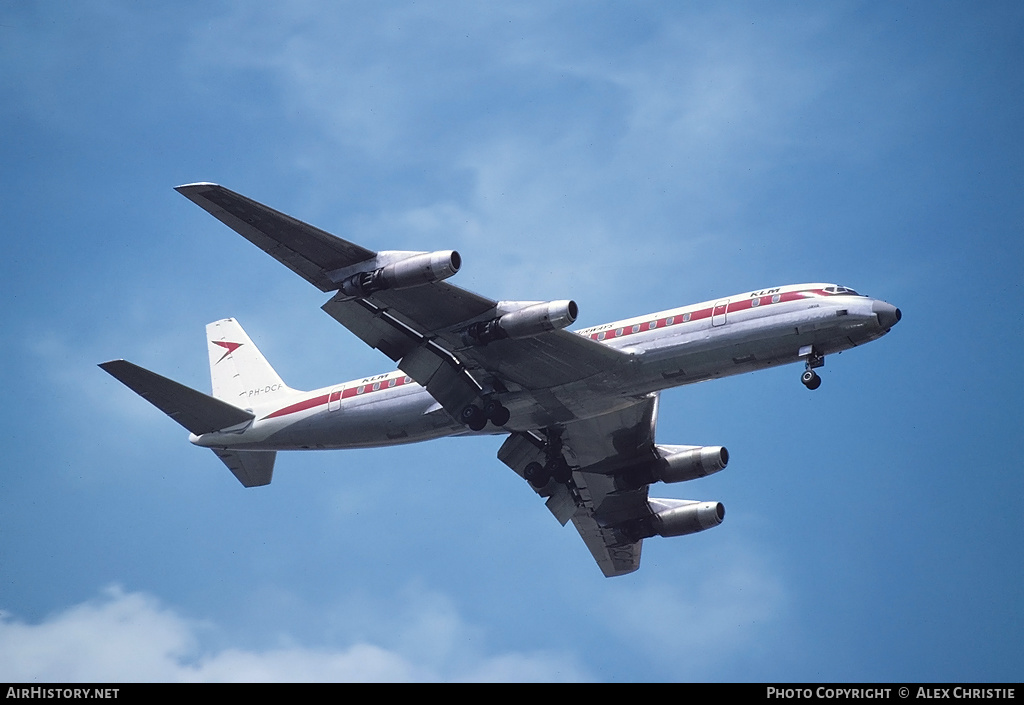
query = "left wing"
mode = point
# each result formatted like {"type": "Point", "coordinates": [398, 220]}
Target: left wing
{"type": "Point", "coordinates": [595, 449]}
{"type": "Point", "coordinates": [442, 336]}
{"type": "Point", "coordinates": [597, 472]}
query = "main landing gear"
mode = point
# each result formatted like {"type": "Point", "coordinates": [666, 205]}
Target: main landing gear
{"type": "Point", "coordinates": [554, 468]}
{"type": "Point", "coordinates": [810, 378]}
{"type": "Point", "coordinates": [539, 475]}
{"type": "Point", "coordinates": [476, 418]}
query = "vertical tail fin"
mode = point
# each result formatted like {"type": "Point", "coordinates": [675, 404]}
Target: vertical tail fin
{"type": "Point", "coordinates": [238, 370]}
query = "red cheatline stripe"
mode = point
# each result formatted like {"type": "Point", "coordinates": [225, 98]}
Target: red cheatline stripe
{"type": "Point", "coordinates": [335, 395]}
{"type": "Point", "coordinates": [301, 406]}
{"type": "Point", "coordinates": [686, 317]}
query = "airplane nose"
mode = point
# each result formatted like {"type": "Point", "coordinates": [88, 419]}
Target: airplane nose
{"type": "Point", "coordinates": [888, 315]}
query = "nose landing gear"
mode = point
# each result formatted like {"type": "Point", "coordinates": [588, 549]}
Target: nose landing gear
{"type": "Point", "coordinates": [810, 378]}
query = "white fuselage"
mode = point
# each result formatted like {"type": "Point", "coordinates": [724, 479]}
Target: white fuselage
{"type": "Point", "coordinates": [728, 336]}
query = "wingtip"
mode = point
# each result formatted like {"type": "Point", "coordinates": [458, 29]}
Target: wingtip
{"type": "Point", "coordinates": [116, 369]}
{"type": "Point", "coordinates": [196, 186]}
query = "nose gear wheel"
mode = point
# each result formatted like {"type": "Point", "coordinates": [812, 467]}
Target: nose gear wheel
{"type": "Point", "coordinates": [810, 379]}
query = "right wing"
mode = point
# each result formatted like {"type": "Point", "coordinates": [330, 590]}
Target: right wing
{"type": "Point", "coordinates": [309, 252]}
{"type": "Point", "coordinates": [423, 327]}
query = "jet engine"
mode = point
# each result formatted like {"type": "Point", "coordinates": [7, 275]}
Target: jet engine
{"type": "Point", "coordinates": [687, 518]}
{"type": "Point", "coordinates": [672, 464]}
{"type": "Point", "coordinates": [681, 463]}
{"type": "Point", "coordinates": [675, 517]}
{"type": "Point", "coordinates": [525, 322]}
{"type": "Point", "coordinates": [416, 270]}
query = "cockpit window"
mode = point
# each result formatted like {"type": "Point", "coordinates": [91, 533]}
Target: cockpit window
{"type": "Point", "coordinates": [841, 290]}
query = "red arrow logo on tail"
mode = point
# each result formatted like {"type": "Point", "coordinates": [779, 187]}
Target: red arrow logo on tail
{"type": "Point", "coordinates": [230, 347]}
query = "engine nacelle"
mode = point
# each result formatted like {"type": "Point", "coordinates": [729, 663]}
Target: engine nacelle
{"type": "Point", "coordinates": [681, 463]}
{"type": "Point", "coordinates": [416, 270]}
{"type": "Point", "coordinates": [686, 518]}
{"type": "Point", "coordinates": [523, 323]}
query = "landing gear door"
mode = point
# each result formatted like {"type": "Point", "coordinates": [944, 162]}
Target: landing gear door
{"type": "Point", "coordinates": [718, 313]}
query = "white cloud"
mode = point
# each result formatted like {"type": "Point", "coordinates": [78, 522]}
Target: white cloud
{"type": "Point", "coordinates": [132, 637]}
{"type": "Point", "coordinates": [728, 601]}
{"type": "Point", "coordinates": [117, 637]}
{"type": "Point", "coordinates": [557, 159]}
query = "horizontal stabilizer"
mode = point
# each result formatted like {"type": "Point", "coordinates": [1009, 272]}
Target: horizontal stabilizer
{"type": "Point", "coordinates": [253, 468]}
{"type": "Point", "coordinates": [194, 410]}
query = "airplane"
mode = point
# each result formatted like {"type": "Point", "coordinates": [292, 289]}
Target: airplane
{"type": "Point", "coordinates": [579, 408]}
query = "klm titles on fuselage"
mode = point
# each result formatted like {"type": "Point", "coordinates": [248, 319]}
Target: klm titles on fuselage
{"type": "Point", "coordinates": [375, 378]}
{"type": "Point", "coordinates": [765, 292]}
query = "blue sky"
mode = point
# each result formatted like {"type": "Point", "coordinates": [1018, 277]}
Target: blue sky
{"type": "Point", "coordinates": [633, 157]}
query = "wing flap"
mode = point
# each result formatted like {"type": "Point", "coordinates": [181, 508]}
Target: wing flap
{"type": "Point", "coordinates": [368, 325]}
{"type": "Point", "coordinates": [604, 443]}
{"type": "Point", "coordinates": [443, 376]}
{"type": "Point", "coordinates": [434, 308]}
{"type": "Point", "coordinates": [614, 556]}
